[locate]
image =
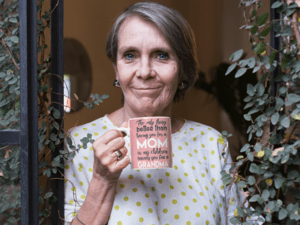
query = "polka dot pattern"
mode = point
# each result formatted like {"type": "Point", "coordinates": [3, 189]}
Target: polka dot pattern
{"type": "Point", "coordinates": [190, 192]}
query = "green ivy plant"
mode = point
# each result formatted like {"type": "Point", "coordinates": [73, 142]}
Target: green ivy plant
{"type": "Point", "coordinates": [50, 133]}
{"type": "Point", "coordinates": [271, 179]}
{"type": "Point", "coordinates": [10, 196]}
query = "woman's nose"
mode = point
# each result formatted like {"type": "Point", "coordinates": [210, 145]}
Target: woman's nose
{"type": "Point", "coordinates": [145, 69]}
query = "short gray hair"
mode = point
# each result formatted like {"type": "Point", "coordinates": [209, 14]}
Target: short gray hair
{"type": "Point", "coordinates": [175, 29]}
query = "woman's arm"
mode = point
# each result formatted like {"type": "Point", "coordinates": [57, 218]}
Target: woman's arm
{"type": "Point", "coordinates": [107, 169]}
{"type": "Point", "coordinates": [98, 203]}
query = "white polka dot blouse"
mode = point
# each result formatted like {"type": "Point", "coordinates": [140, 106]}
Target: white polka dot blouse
{"type": "Point", "coordinates": [190, 193]}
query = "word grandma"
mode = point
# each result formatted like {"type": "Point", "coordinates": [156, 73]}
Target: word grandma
{"type": "Point", "coordinates": [152, 143]}
{"type": "Point", "coordinates": [153, 164]}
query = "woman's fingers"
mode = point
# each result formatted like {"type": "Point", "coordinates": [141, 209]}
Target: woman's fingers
{"type": "Point", "coordinates": [115, 144]}
{"type": "Point", "coordinates": [120, 164]}
{"type": "Point", "coordinates": [108, 137]}
{"type": "Point", "coordinates": [123, 151]}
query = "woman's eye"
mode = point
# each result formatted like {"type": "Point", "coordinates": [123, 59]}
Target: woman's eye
{"type": "Point", "coordinates": [163, 56]}
{"type": "Point", "coordinates": [129, 56]}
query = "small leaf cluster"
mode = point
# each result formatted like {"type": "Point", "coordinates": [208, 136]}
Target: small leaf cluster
{"type": "Point", "coordinates": [272, 158]}
{"type": "Point", "coordinates": [95, 100]}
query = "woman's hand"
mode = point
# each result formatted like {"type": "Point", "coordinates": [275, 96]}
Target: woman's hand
{"type": "Point", "coordinates": [107, 165]}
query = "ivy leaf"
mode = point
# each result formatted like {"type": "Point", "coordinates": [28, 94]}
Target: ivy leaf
{"type": "Point", "coordinates": [272, 57]}
{"type": "Point", "coordinates": [276, 26]}
{"type": "Point", "coordinates": [293, 6]}
{"type": "Point", "coordinates": [258, 147]}
{"type": "Point", "coordinates": [230, 69]}
{"type": "Point", "coordinates": [235, 220]}
{"type": "Point", "coordinates": [276, 4]}
{"type": "Point", "coordinates": [282, 214]}
{"type": "Point", "coordinates": [48, 194]}
{"type": "Point", "coordinates": [56, 113]}
{"type": "Point", "coordinates": [248, 99]}
{"type": "Point", "coordinates": [236, 55]}
{"type": "Point", "coordinates": [290, 12]}
{"type": "Point", "coordinates": [240, 72]}
{"type": "Point", "coordinates": [53, 137]}
{"type": "Point", "coordinates": [47, 172]}
{"type": "Point", "coordinates": [286, 59]}
{"type": "Point", "coordinates": [286, 31]}
{"type": "Point", "coordinates": [285, 122]}
{"type": "Point", "coordinates": [285, 159]}
{"type": "Point", "coordinates": [13, 20]}
{"type": "Point", "coordinates": [89, 105]}
{"type": "Point", "coordinates": [275, 118]}
{"type": "Point", "coordinates": [14, 39]}
{"type": "Point", "coordinates": [260, 88]}
{"type": "Point", "coordinates": [245, 147]}
{"type": "Point", "coordinates": [250, 156]}
{"type": "Point", "coordinates": [294, 97]}
{"type": "Point", "coordinates": [265, 195]}
{"type": "Point", "coordinates": [41, 199]}
{"type": "Point", "coordinates": [251, 180]}
{"type": "Point", "coordinates": [69, 140]}
{"type": "Point", "coordinates": [260, 48]}
{"type": "Point", "coordinates": [55, 125]}
{"type": "Point", "coordinates": [253, 13]}
{"type": "Point", "coordinates": [254, 198]}
{"type": "Point", "coordinates": [12, 81]}
{"type": "Point", "coordinates": [104, 96]}
{"type": "Point", "coordinates": [256, 69]}
{"type": "Point", "coordinates": [279, 181]}
{"type": "Point", "coordinates": [251, 62]}
{"type": "Point", "coordinates": [250, 104]}
{"type": "Point", "coordinates": [250, 89]}
{"type": "Point", "coordinates": [265, 32]}
{"type": "Point", "coordinates": [254, 168]}
{"type": "Point", "coordinates": [262, 18]}
{"type": "Point", "coordinates": [247, 117]}
{"type": "Point", "coordinates": [254, 29]}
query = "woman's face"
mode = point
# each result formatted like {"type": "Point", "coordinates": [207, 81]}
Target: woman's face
{"type": "Point", "coordinates": [147, 68]}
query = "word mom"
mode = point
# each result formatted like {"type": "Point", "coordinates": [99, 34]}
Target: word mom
{"type": "Point", "coordinates": [152, 143]}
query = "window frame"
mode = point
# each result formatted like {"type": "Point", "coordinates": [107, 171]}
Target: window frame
{"type": "Point", "coordinates": [27, 136]}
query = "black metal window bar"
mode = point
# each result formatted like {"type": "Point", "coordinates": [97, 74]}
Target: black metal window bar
{"type": "Point", "coordinates": [27, 136]}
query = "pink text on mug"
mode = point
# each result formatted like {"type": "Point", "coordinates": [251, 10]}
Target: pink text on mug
{"type": "Point", "coordinates": [150, 142]}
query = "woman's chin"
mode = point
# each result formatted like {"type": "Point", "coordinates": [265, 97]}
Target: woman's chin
{"type": "Point", "coordinates": [148, 106]}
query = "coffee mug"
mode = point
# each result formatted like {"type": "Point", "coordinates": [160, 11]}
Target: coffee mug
{"type": "Point", "coordinates": [150, 142]}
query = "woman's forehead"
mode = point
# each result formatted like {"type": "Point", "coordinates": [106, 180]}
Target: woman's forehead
{"type": "Point", "coordinates": [135, 32]}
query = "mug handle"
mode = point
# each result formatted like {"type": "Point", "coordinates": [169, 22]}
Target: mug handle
{"type": "Point", "coordinates": [125, 130]}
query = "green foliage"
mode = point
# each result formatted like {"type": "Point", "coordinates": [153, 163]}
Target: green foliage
{"type": "Point", "coordinates": [50, 134]}
{"type": "Point", "coordinates": [10, 195]}
{"type": "Point", "coordinates": [273, 162]}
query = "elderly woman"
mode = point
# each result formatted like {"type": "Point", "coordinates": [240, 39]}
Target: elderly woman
{"type": "Point", "coordinates": [152, 49]}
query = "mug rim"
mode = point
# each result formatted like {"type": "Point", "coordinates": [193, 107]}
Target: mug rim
{"type": "Point", "coordinates": [146, 117]}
